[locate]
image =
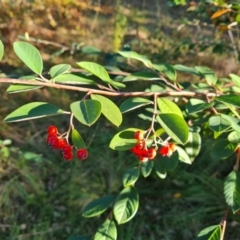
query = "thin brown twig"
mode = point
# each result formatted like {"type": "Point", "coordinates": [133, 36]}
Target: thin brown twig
{"type": "Point", "coordinates": [224, 223]}
{"type": "Point", "coordinates": [107, 93]}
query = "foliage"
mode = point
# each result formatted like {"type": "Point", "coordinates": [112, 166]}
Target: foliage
{"type": "Point", "coordinates": [180, 117]}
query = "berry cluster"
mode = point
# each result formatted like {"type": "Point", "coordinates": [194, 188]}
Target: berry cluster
{"type": "Point", "coordinates": [140, 150]}
{"type": "Point", "coordinates": [145, 154]}
{"type": "Point", "coordinates": [56, 141]}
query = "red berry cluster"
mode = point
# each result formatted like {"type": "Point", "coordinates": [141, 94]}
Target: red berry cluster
{"type": "Point", "coordinates": [140, 150]}
{"type": "Point", "coordinates": [144, 153]}
{"type": "Point", "coordinates": [167, 150]}
{"type": "Point", "coordinates": [55, 140]}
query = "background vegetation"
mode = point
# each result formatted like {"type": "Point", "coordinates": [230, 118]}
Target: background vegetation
{"type": "Point", "coordinates": [41, 196]}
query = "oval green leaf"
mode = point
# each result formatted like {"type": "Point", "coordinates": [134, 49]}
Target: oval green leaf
{"type": "Point", "coordinates": [96, 70]}
{"type": "Point", "coordinates": [75, 79]}
{"type": "Point", "coordinates": [183, 156]}
{"type": "Point", "coordinates": [230, 99]}
{"type": "Point", "coordinates": [218, 123]}
{"type": "Point", "coordinates": [159, 168]}
{"type": "Point", "coordinates": [222, 149]}
{"type": "Point", "coordinates": [208, 74]}
{"type": "Point", "coordinates": [232, 191]}
{"type": "Point", "coordinates": [86, 112]}
{"type": "Point", "coordinates": [146, 168]}
{"type": "Point", "coordinates": [167, 69]}
{"type": "Point", "coordinates": [170, 163]}
{"type": "Point", "coordinates": [190, 70]}
{"type": "Point", "coordinates": [236, 79]}
{"type": "Point", "coordinates": [210, 233]}
{"type": "Point", "coordinates": [130, 176]}
{"type": "Point", "coordinates": [59, 70]}
{"type": "Point", "coordinates": [126, 205]}
{"type": "Point", "coordinates": [77, 139]}
{"type": "Point", "coordinates": [124, 140]}
{"type": "Point", "coordinates": [1, 50]}
{"type": "Point", "coordinates": [193, 146]}
{"type": "Point", "coordinates": [109, 109]}
{"type": "Point", "coordinates": [175, 126]}
{"type": "Point", "coordinates": [107, 231]}
{"type": "Point", "coordinates": [143, 75]}
{"type": "Point", "coordinates": [16, 88]}
{"type": "Point", "coordinates": [134, 103]}
{"type": "Point", "coordinates": [197, 105]}
{"type": "Point", "coordinates": [234, 137]}
{"type": "Point", "coordinates": [167, 106]}
{"type": "Point", "coordinates": [32, 111]}
{"type": "Point", "coordinates": [29, 55]}
{"type": "Point", "coordinates": [136, 56]}
{"type": "Point", "coordinates": [98, 206]}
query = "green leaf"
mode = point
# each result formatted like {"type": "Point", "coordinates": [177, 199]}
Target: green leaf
{"type": "Point", "coordinates": [167, 70]}
{"type": "Point", "coordinates": [98, 206]}
{"type": "Point", "coordinates": [218, 123]}
{"type": "Point", "coordinates": [90, 50]}
{"type": "Point", "coordinates": [170, 163]}
{"type": "Point", "coordinates": [230, 99]}
{"type": "Point", "coordinates": [124, 140]}
{"type": "Point", "coordinates": [75, 79]}
{"type": "Point", "coordinates": [16, 88]}
{"type": "Point", "coordinates": [77, 139]}
{"type": "Point", "coordinates": [126, 205]}
{"type": "Point", "coordinates": [1, 50]}
{"type": "Point", "coordinates": [210, 233]}
{"type": "Point", "coordinates": [96, 70]}
{"type": "Point", "coordinates": [109, 109]}
{"type": "Point", "coordinates": [107, 231]}
{"type": "Point", "coordinates": [183, 156]}
{"type": "Point", "coordinates": [208, 74]}
{"type": "Point", "coordinates": [190, 70]}
{"type": "Point", "coordinates": [193, 145]}
{"type": "Point", "coordinates": [167, 106]}
{"type": "Point", "coordinates": [136, 56]}
{"type": "Point", "coordinates": [234, 122]}
{"type": "Point", "coordinates": [134, 103]}
{"type": "Point", "coordinates": [86, 112]}
{"type": "Point", "coordinates": [130, 176]}
{"type": "Point", "coordinates": [159, 168]}
{"type": "Point", "coordinates": [29, 55]}
{"type": "Point", "coordinates": [222, 149]}
{"type": "Point", "coordinates": [232, 191]}
{"type": "Point", "coordinates": [144, 76]}
{"type": "Point", "coordinates": [197, 105]}
{"type": "Point", "coordinates": [59, 70]}
{"type": "Point", "coordinates": [117, 85]}
{"type": "Point", "coordinates": [175, 126]}
{"type": "Point", "coordinates": [236, 79]}
{"type": "Point", "coordinates": [33, 110]}
{"type": "Point", "coordinates": [146, 168]}
{"type": "Point", "coordinates": [234, 137]}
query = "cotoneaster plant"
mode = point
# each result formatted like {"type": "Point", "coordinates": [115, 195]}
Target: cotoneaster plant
{"type": "Point", "coordinates": [177, 113]}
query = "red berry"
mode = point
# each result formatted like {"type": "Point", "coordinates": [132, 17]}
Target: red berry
{"type": "Point", "coordinates": [66, 149]}
{"type": "Point", "coordinates": [62, 143]}
{"type": "Point", "coordinates": [139, 135]}
{"type": "Point", "coordinates": [163, 151]}
{"type": "Point", "coordinates": [68, 156]}
{"type": "Point", "coordinates": [53, 141]}
{"type": "Point", "coordinates": [172, 146]}
{"type": "Point", "coordinates": [52, 130]}
{"type": "Point", "coordinates": [152, 153]}
{"type": "Point", "coordinates": [140, 145]}
{"type": "Point", "coordinates": [82, 153]}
